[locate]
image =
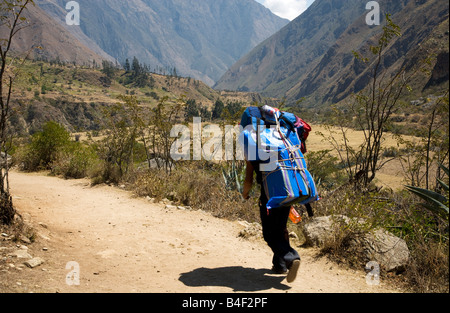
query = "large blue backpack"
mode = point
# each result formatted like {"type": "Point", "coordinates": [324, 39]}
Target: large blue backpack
{"type": "Point", "coordinates": [272, 138]}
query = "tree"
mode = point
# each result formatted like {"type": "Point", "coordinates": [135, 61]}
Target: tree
{"type": "Point", "coordinates": [136, 67]}
{"type": "Point", "coordinates": [127, 66]}
{"type": "Point", "coordinates": [371, 111]}
{"type": "Point", "coordinates": [12, 20]}
{"type": "Point", "coordinates": [140, 74]}
{"type": "Point", "coordinates": [164, 116]}
{"type": "Point", "coordinates": [192, 109]}
{"type": "Point", "coordinates": [117, 147]}
{"type": "Point", "coordinates": [420, 157]}
{"type": "Point", "coordinates": [218, 109]}
{"type": "Point", "coordinates": [108, 69]}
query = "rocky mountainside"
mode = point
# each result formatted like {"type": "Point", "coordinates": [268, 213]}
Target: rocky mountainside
{"type": "Point", "coordinates": [201, 39]}
{"type": "Point", "coordinates": [312, 56]}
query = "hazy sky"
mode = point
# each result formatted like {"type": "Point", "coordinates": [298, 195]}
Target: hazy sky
{"type": "Point", "coordinates": [289, 9]}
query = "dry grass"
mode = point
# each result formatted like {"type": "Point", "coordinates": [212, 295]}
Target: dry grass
{"type": "Point", "coordinates": [198, 185]}
{"type": "Point", "coordinates": [390, 176]}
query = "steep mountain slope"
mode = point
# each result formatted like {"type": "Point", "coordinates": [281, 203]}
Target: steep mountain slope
{"type": "Point", "coordinates": [424, 30]}
{"type": "Point", "coordinates": [286, 56]}
{"type": "Point", "coordinates": [54, 40]}
{"type": "Point", "coordinates": [200, 38]}
{"type": "Point", "coordinates": [312, 56]}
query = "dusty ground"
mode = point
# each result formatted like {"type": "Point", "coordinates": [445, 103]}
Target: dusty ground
{"type": "Point", "coordinates": [126, 244]}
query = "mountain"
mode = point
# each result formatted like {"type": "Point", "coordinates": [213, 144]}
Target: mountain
{"type": "Point", "coordinates": [201, 39]}
{"type": "Point", "coordinates": [312, 56]}
{"type": "Point", "coordinates": [46, 39]}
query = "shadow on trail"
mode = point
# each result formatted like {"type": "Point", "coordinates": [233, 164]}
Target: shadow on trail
{"type": "Point", "coordinates": [236, 277]}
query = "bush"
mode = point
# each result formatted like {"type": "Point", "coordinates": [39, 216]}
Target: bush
{"type": "Point", "coordinates": [45, 147]}
{"type": "Point", "coordinates": [325, 168]}
{"type": "Point", "coordinates": [52, 149]}
{"type": "Point", "coordinates": [76, 161]}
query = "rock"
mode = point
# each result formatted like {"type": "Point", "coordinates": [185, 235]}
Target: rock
{"type": "Point", "coordinates": [21, 254]}
{"type": "Point", "coordinates": [166, 201]}
{"type": "Point", "coordinates": [26, 217]}
{"type": "Point", "coordinates": [244, 223]}
{"type": "Point", "coordinates": [173, 196]}
{"type": "Point", "coordinates": [293, 235]}
{"type": "Point", "coordinates": [35, 262]}
{"type": "Point", "coordinates": [25, 239]}
{"type": "Point", "coordinates": [319, 229]}
{"type": "Point", "coordinates": [389, 251]}
{"type": "Point", "coordinates": [155, 163]}
{"type": "Point", "coordinates": [170, 207]}
{"type": "Point", "coordinates": [253, 230]}
{"type": "Point", "coordinates": [182, 208]}
{"type": "Point", "coordinates": [44, 237]}
{"type": "Point", "coordinates": [43, 225]}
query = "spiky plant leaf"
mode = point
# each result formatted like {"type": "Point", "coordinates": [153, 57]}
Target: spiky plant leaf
{"type": "Point", "coordinates": [436, 200]}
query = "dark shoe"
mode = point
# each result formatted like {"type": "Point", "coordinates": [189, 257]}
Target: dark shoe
{"type": "Point", "coordinates": [278, 270]}
{"type": "Point", "coordinates": [293, 269]}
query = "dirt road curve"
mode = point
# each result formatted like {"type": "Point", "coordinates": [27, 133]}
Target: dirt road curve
{"type": "Point", "coordinates": [126, 244]}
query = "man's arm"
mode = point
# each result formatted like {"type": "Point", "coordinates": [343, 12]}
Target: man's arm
{"type": "Point", "coordinates": [248, 183]}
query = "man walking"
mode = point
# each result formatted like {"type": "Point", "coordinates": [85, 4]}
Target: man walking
{"type": "Point", "coordinates": [275, 233]}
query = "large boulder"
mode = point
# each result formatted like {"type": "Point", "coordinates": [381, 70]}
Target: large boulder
{"type": "Point", "coordinates": [320, 229]}
{"type": "Point", "coordinates": [388, 250]}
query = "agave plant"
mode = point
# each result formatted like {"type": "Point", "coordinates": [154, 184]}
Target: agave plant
{"type": "Point", "coordinates": [231, 178]}
{"type": "Point", "coordinates": [435, 202]}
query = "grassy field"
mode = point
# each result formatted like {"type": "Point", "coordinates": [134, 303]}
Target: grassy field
{"type": "Point", "coordinates": [390, 176]}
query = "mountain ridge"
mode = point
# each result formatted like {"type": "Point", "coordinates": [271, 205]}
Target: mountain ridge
{"type": "Point", "coordinates": [322, 69]}
{"type": "Point", "coordinates": [200, 39]}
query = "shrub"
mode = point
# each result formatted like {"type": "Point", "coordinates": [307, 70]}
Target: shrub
{"type": "Point", "coordinates": [326, 169]}
{"type": "Point", "coordinates": [45, 147]}
{"type": "Point", "coordinates": [76, 161]}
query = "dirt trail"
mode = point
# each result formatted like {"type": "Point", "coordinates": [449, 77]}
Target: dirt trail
{"type": "Point", "coordinates": [125, 244]}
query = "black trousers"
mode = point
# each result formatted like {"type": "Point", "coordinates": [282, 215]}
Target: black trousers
{"type": "Point", "coordinates": [274, 226]}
